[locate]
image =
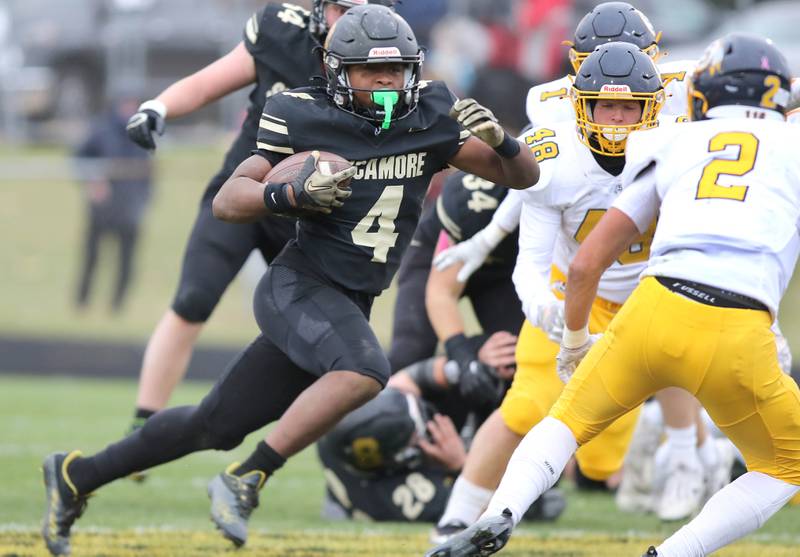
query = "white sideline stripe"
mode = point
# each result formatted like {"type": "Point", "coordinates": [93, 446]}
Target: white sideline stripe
{"type": "Point", "coordinates": [273, 127]}
{"type": "Point", "coordinates": [274, 148]}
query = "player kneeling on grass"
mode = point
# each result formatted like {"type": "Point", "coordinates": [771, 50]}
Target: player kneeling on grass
{"type": "Point", "coordinates": [395, 458]}
{"type": "Point", "coordinates": [317, 358]}
{"type": "Point", "coordinates": [727, 189]}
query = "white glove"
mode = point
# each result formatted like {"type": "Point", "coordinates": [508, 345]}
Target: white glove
{"type": "Point", "coordinates": [550, 319]}
{"type": "Point", "coordinates": [569, 358]}
{"type": "Point", "coordinates": [472, 253]}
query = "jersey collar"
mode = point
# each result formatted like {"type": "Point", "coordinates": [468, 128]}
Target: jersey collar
{"type": "Point", "coordinates": [743, 111]}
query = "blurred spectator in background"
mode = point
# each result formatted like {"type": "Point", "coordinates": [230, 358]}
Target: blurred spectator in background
{"type": "Point", "coordinates": [422, 16]}
{"type": "Point", "coordinates": [495, 50]}
{"type": "Point", "coordinates": [117, 177]}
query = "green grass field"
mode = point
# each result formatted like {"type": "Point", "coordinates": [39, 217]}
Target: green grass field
{"type": "Point", "coordinates": [168, 514]}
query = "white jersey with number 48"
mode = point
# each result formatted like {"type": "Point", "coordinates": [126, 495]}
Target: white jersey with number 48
{"type": "Point", "coordinates": [570, 198]}
{"type": "Point", "coordinates": [728, 191]}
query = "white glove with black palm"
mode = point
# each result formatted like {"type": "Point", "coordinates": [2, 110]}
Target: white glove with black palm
{"type": "Point", "coordinates": [315, 191]}
{"type": "Point", "coordinates": [147, 121]}
{"type": "Point", "coordinates": [569, 358]}
{"type": "Point", "coordinates": [479, 120]}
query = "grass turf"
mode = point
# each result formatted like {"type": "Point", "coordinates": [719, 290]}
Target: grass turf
{"type": "Point", "coordinates": [168, 514]}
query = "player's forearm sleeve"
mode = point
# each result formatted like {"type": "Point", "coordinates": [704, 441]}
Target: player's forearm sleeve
{"type": "Point", "coordinates": [538, 231]}
{"type": "Point", "coordinates": [507, 215]}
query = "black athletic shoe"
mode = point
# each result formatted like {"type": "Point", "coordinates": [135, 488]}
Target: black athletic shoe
{"type": "Point", "coordinates": [233, 498]}
{"type": "Point", "coordinates": [63, 505]}
{"type": "Point", "coordinates": [483, 538]}
{"type": "Point", "coordinates": [137, 424]}
{"type": "Point", "coordinates": [441, 534]}
{"type": "Point", "coordinates": [651, 552]}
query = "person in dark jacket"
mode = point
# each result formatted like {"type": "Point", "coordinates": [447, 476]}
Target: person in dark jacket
{"type": "Point", "coordinates": [117, 180]}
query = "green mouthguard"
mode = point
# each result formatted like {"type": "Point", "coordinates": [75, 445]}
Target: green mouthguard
{"type": "Point", "coordinates": [388, 99]}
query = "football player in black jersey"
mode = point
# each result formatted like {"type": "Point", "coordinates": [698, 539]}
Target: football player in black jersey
{"type": "Point", "coordinates": [316, 358]}
{"type": "Point", "coordinates": [426, 309]}
{"type": "Point", "coordinates": [395, 458]}
{"type": "Point", "coordinates": [276, 53]}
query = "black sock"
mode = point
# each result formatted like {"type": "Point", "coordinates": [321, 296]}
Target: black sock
{"type": "Point", "coordinates": [168, 435]}
{"type": "Point", "coordinates": [143, 413]}
{"type": "Point", "coordinates": [264, 459]}
{"type": "Point", "coordinates": [139, 418]}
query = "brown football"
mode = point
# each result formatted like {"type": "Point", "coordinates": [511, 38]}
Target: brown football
{"type": "Point", "coordinates": [286, 170]}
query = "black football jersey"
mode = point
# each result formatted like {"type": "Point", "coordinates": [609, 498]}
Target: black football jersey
{"type": "Point", "coordinates": [415, 496]}
{"type": "Point", "coordinates": [278, 39]}
{"type": "Point", "coordinates": [359, 245]}
{"type": "Point", "coordinates": [464, 208]}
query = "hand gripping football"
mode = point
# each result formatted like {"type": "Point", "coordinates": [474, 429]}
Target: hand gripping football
{"type": "Point", "coordinates": [287, 170]}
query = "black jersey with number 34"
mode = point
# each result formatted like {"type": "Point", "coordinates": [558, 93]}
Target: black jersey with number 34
{"type": "Point", "coordinates": [465, 207]}
{"type": "Point", "coordinates": [359, 245]}
{"type": "Point", "coordinates": [282, 48]}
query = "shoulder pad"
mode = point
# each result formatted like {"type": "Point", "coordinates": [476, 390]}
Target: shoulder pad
{"type": "Point", "coordinates": [282, 113]}
{"type": "Point", "coordinates": [676, 70]}
{"type": "Point", "coordinates": [274, 22]}
{"type": "Point", "coordinates": [543, 101]}
{"type": "Point", "coordinates": [467, 203]}
{"type": "Point", "coordinates": [437, 90]}
{"type": "Point", "coordinates": [645, 147]}
{"type": "Point", "coordinates": [556, 89]}
{"type": "Point", "coordinates": [543, 141]}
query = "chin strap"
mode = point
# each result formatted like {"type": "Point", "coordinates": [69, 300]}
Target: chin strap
{"type": "Point", "coordinates": [387, 99]}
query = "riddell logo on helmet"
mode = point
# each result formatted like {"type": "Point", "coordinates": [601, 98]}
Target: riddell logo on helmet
{"type": "Point", "coordinates": [615, 89]}
{"type": "Point", "coordinates": [384, 52]}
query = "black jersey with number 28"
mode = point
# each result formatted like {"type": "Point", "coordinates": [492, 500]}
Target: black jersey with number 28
{"type": "Point", "coordinates": [359, 245]}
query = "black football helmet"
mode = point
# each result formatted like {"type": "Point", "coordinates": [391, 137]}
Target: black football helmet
{"type": "Point", "coordinates": [615, 71]}
{"type": "Point", "coordinates": [317, 24]}
{"type": "Point", "coordinates": [739, 69]}
{"type": "Point", "coordinates": [372, 34]}
{"type": "Point", "coordinates": [609, 22]}
{"type": "Point", "coordinates": [380, 437]}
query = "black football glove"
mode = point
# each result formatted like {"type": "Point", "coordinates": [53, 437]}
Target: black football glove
{"type": "Point", "coordinates": [315, 191]}
{"type": "Point", "coordinates": [478, 384]}
{"type": "Point", "coordinates": [148, 120]}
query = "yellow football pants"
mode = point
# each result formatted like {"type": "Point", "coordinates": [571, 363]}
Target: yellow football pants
{"type": "Point", "coordinates": [724, 357]}
{"type": "Point", "coordinates": [536, 387]}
